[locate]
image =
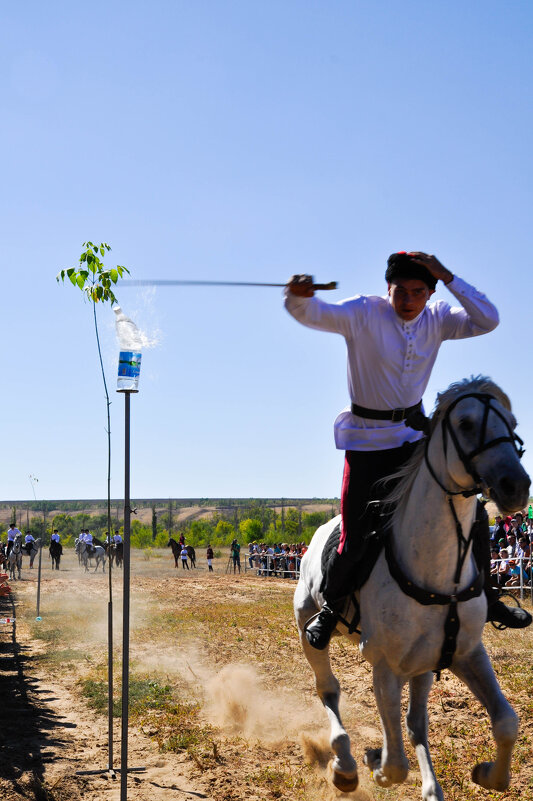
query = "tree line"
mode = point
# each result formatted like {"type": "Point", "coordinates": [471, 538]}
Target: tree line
{"type": "Point", "coordinates": [255, 522]}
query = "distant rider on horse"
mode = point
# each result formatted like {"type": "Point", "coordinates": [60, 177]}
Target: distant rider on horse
{"type": "Point", "coordinates": [29, 542]}
{"type": "Point", "coordinates": [392, 344]}
{"type": "Point", "coordinates": [11, 534]}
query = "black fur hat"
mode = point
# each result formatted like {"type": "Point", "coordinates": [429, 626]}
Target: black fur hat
{"type": "Point", "coordinates": [401, 265]}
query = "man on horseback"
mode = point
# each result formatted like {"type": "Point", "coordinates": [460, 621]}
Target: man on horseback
{"type": "Point", "coordinates": [89, 542]}
{"type": "Point", "coordinates": [11, 534]}
{"type": "Point", "coordinates": [392, 344]}
{"type": "Point", "coordinates": [29, 542]}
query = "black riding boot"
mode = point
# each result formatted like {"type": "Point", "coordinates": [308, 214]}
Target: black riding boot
{"type": "Point", "coordinates": [319, 632]}
{"type": "Point", "coordinates": [512, 617]}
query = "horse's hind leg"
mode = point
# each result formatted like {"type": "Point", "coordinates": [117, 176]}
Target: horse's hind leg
{"type": "Point", "coordinates": [344, 766]}
{"type": "Point", "coordinates": [416, 722]}
{"type": "Point", "coordinates": [389, 764]}
{"type": "Point", "coordinates": [478, 675]}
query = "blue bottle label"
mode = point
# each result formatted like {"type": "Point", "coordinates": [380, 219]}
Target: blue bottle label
{"type": "Point", "coordinates": [129, 364]}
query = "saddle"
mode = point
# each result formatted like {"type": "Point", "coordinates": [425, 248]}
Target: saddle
{"type": "Point", "coordinates": [371, 541]}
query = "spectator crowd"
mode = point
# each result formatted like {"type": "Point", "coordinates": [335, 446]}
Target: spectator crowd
{"type": "Point", "coordinates": [511, 549]}
{"type": "Point", "coordinates": [280, 559]}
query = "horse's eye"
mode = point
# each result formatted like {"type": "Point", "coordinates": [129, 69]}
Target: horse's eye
{"type": "Point", "coordinates": [466, 425]}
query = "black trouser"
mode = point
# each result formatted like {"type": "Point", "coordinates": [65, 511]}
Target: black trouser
{"type": "Point", "coordinates": [362, 482]}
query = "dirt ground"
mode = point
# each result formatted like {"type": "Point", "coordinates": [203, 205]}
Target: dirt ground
{"type": "Point", "coordinates": [227, 645]}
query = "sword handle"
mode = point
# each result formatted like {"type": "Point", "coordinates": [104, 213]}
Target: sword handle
{"type": "Point", "coordinates": [331, 285]}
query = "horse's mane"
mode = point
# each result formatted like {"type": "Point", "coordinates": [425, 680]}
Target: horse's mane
{"type": "Point", "coordinates": [406, 475]}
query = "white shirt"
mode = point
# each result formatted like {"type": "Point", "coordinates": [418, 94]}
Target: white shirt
{"type": "Point", "coordinates": [54, 538]}
{"type": "Point", "coordinates": [117, 538]}
{"type": "Point", "coordinates": [12, 533]}
{"type": "Point", "coordinates": [29, 538]}
{"type": "Point", "coordinates": [390, 360]}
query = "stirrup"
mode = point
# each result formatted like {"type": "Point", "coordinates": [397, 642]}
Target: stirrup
{"type": "Point", "coordinates": [505, 593]}
{"type": "Point", "coordinates": [320, 639]}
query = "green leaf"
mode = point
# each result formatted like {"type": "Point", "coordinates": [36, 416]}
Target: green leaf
{"type": "Point", "coordinates": [83, 257]}
{"type": "Point", "coordinates": [74, 278]}
{"type": "Point", "coordinates": [80, 281]}
{"type": "Point", "coordinates": [113, 274]}
{"type": "Point", "coordinates": [99, 292]}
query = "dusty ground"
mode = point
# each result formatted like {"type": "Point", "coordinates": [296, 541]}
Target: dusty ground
{"type": "Point", "coordinates": [227, 647]}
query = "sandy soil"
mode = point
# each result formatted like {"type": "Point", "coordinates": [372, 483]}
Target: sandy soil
{"type": "Point", "coordinates": [269, 733]}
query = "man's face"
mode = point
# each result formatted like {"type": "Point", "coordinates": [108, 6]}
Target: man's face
{"type": "Point", "coordinates": [408, 296]}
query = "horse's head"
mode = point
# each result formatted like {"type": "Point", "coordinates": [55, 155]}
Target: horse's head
{"type": "Point", "coordinates": [481, 449]}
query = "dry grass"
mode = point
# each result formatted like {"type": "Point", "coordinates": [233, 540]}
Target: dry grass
{"type": "Point", "coordinates": [218, 676]}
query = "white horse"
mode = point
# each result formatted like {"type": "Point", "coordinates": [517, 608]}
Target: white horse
{"type": "Point", "coordinates": [85, 554]}
{"type": "Point", "coordinates": [14, 560]}
{"type": "Point", "coordinates": [472, 447]}
{"type": "Point", "coordinates": [34, 550]}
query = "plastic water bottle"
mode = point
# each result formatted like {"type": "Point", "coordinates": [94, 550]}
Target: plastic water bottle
{"type": "Point", "coordinates": [129, 360]}
{"type": "Point", "coordinates": [129, 368]}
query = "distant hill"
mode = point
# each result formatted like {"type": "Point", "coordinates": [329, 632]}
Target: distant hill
{"type": "Point", "coordinates": [183, 509]}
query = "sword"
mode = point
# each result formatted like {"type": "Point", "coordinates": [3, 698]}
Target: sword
{"type": "Point", "coordinates": [141, 282]}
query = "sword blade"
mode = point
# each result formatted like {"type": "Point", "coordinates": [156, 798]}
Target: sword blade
{"type": "Point", "coordinates": [171, 282]}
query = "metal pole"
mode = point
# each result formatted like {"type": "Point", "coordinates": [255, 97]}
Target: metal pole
{"type": "Point", "coordinates": [126, 606]}
{"type": "Point", "coordinates": [39, 582]}
{"type": "Point", "coordinates": [110, 659]}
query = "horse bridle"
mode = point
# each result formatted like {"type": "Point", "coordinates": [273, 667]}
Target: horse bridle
{"type": "Point", "coordinates": [423, 596]}
{"type": "Point", "coordinates": [466, 458]}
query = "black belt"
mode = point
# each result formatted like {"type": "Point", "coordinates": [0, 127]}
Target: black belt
{"type": "Point", "coordinates": [396, 415]}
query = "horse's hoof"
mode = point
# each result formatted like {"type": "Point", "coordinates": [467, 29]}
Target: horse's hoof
{"type": "Point", "coordinates": [483, 774]}
{"type": "Point", "coordinates": [346, 784]}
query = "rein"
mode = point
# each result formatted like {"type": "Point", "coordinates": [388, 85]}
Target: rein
{"type": "Point", "coordinates": [465, 458]}
{"type": "Point", "coordinates": [422, 596]}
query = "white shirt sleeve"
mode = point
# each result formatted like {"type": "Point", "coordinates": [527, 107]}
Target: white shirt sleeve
{"type": "Point", "coordinates": [343, 318]}
{"type": "Point", "coordinates": [476, 316]}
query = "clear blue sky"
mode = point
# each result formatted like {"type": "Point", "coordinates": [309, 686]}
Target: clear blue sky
{"type": "Point", "coordinates": [247, 141]}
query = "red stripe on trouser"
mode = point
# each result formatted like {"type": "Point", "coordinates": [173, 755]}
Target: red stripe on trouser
{"type": "Point", "coordinates": [344, 503]}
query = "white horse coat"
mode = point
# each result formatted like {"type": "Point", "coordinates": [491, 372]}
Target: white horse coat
{"type": "Point", "coordinates": [402, 638]}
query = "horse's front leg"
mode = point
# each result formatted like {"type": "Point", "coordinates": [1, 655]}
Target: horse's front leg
{"type": "Point", "coordinates": [389, 764]}
{"type": "Point", "coordinates": [416, 722]}
{"type": "Point", "coordinates": [477, 673]}
{"type": "Point", "coordinates": [344, 766]}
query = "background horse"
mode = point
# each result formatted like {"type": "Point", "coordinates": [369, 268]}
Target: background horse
{"type": "Point", "coordinates": [3, 557]}
{"type": "Point", "coordinates": [95, 552]}
{"type": "Point", "coordinates": [472, 447]}
{"type": "Point", "coordinates": [56, 551]}
{"type": "Point", "coordinates": [117, 553]}
{"type": "Point", "coordinates": [176, 552]}
{"type": "Point", "coordinates": [14, 559]}
{"type": "Point", "coordinates": [34, 550]}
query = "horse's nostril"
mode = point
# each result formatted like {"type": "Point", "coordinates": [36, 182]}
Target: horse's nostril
{"type": "Point", "coordinates": [507, 486]}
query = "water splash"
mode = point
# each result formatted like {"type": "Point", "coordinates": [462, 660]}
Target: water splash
{"type": "Point", "coordinates": [130, 337]}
